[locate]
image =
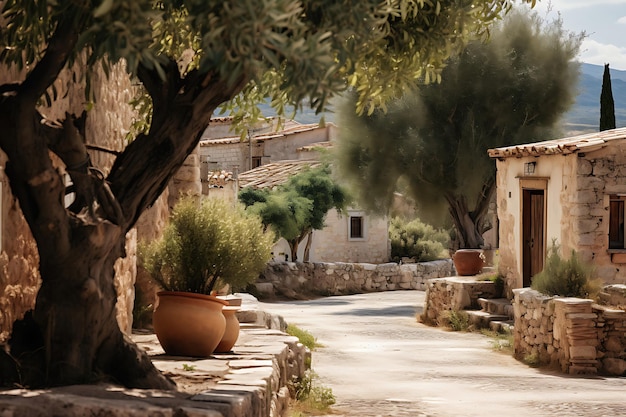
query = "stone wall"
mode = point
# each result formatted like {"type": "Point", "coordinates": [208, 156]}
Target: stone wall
{"type": "Point", "coordinates": [455, 294]}
{"type": "Point", "coordinates": [294, 279]}
{"type": "Point", "coordinates": [573, 334]}
{"type": "Point", "coordinates": [107, 124]}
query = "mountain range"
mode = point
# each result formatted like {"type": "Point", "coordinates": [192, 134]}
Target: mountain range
{"type": "Point", "coordinates": [583, 117]}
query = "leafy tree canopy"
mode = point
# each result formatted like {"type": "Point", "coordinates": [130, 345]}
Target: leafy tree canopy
{"type": "Point", "coordinates": [299, 206]}
{"type": "Point", "coordinates": [190, 57]}
{"type": "Point", "coordinates": [510, 90]}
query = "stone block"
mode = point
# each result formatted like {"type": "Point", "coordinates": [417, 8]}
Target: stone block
{"type": "Point", "coordinates": [614, 366]}
{"type": "Point", "coordinates": [582, 352]}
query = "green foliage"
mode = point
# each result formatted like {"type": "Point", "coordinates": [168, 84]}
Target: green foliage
{"type": "Point", "coordinates": [207, 242]}
{"type": "Point", "coordinates": [305, 337]}
{"type": "Point", "coordinates": [570, 277]}
{"type": "Point", "coordinates": [288, 49]}
{"type": "Point", "coordinates": [311, 397]}
{"type": "Point", "coordinates": [455, 320]}
{"type": "Point", "coordinates": [510, 90]}
{"type": "Point", "coordinates": [189, 368]}
{"type": "Point", "coordinates": [417, 240]}
{"type": "Point", "coordinates": [300, 205]}
{"type": "Point", "coordinates": [501, 342]}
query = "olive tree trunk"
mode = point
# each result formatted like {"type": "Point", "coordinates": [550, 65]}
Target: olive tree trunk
{"type": "Point", "coordinates": [72, 336]}
{"type": "Point", "coordinates": [470, 224]}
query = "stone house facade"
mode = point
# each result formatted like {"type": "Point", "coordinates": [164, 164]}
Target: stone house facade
{"type": "Point", "coordinates": [222, 149]}
{"type": "Point", "coordinates": [571, 191]}
{"type": "Point", "coordinates": [354, 236]}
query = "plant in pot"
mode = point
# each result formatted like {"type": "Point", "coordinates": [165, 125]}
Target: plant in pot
{"type": "Point", "coordinates": [207, 245]}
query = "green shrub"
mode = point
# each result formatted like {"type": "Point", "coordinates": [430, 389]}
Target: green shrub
{"type": "Point", "coordinates": [207, 244]}
{"type": "Point", "coordinates": [417, 240]}
{"type": "Point", "coordinates": [455, 320]}
{"type": "Point", "coordinates": [305, 337]}
{"type": "Point", "coordinates": [310, 398]}
{"type": "Point", "coordinates": [565, 277]}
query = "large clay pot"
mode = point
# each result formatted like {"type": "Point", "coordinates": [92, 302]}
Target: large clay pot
{"type": "Point", "coordinates": [231, 334]}
{"type": "Point", "coordinates": [468, 261]}
{"type": "Point", "coordinates": [188, 324]}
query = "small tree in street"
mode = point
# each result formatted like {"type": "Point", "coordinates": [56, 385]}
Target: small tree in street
{"type": "Point", "coordinates": [189, 57]}
{"type": "Point", "coordinates": [298, 207]}
{"type": "Point", "coordinates": [607, 105]}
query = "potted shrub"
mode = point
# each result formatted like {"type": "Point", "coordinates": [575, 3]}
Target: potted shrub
{"type": "Point", "coordinates": [207, 245]}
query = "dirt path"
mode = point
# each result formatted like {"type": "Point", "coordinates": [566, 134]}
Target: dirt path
{"type": "Point", "coordinates": [380, 362]}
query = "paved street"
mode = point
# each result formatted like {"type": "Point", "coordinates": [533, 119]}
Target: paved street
{"type": "Point", "coordinates": [379, 361]}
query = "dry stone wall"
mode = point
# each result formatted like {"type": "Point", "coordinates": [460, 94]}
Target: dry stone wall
{"type": "Point", "coordinates": [574, 334]}
{"type": "Point", "coordinates": [294, 279]}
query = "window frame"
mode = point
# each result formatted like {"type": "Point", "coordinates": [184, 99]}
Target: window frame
{"type": "Point", "coordinates": [617, 208]}
{"type": "Point", "coordinates": [353, 215]}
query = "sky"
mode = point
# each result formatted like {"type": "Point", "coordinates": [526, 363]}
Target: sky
{"type": "Point", "coordinates": [604, 22]}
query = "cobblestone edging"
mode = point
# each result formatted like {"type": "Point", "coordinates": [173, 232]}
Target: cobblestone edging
{"type": "Point", "coordinates": [296, 278]}
{"type": "Point", "coordinates": [575, 334]}
{"type": "Point", "coordinates": [251, 381]}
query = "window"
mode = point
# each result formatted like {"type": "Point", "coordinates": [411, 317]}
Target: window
{"type": "Point", "coordinates": [256, 162]}
{"type": "Point", "coordinates": [356, 227]}
{"type": "Point", "coordinates": [616, 221]}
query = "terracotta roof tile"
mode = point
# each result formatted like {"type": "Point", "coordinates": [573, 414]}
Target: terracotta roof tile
{"type": "Point", "coordinates": [581, 143]}
{"type": "Point", "coordinates": [274, 174]}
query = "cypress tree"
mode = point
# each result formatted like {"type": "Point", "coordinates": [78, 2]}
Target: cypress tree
{"type": "Point", "coordinates": [607, 105]}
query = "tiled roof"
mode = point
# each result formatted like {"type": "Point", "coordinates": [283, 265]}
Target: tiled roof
{"type": "Point", "coordinates": [288, 129]}
{"type": "Point", "coordinates": [276, 173]}
{"type": "Point", "coordinates": [582, 143]}
{"type": "Point", "coordinates": [315, 146]}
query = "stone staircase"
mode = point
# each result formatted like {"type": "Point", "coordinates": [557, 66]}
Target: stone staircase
{"type": "Point", "coordinates": [495, 314]}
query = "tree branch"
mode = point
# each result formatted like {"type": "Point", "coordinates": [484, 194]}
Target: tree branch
{"type": "Point", "coordinates": [143, 170]}
{"type": "Point", "coordinates": [59, 48]}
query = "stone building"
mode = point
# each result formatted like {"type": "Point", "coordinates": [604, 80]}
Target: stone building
{"type": "Point", "coordinates": [276, 155]}
{"type": "Point", "coordinates": [353, 236]}
{"type": "Point", "coordinates": [571, 191]}
{"type": "Point", "coordinates": [222, 149]}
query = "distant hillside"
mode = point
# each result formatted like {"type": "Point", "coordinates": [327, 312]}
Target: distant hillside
{"type": "Point", "coordinates": [585, 114]}
{"type": "Point", "coordinates": [582, 118]}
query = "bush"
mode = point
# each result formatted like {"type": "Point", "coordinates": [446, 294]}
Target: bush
{"type": "Point", "coordinates": [455, 320]}
{"type": "Point", "coordinates": [208, 242]}
{"type": "Point", "coordinates": [305, 337]}
{"type": "Point", "coordinates": [417, 240]}
{"type": "Point", "coordinates": [565, 277]}
{"type": "Point", "coordinates": [311, 398]}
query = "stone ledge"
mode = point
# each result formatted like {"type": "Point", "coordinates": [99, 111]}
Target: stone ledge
{"type": "Point", "coordinates": [252, 380]}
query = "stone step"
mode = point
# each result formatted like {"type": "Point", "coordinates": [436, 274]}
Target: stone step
{"type": "Point", "coordinates": [482, 319]}
{"type": "Point", "coordinates": [501, 326]}
{"type": "Point", "coordinates": [500, 306]}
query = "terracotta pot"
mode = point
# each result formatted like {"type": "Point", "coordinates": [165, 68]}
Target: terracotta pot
{"type": "Point", "coordinates": [188, 324]}
{"type": "Point", "coordinates": [231, 334]}
{"type": "Point", "coordinates": [468, 261]}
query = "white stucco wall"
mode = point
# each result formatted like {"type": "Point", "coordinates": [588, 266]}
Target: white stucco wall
{"type": "Point", "coordinates": [509, 200]}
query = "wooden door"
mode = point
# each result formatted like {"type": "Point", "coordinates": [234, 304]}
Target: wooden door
{"type": "Point", "coordinates": [533, 239]}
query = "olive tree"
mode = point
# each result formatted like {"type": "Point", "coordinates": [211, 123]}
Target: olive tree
{"type": "Point", "coordinates": [292, 51]}
{"type": "Point", "coordinates": [434, 140]}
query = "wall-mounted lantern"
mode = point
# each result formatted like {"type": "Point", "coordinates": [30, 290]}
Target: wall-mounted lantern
{"type": "Point", "coordinates": [529, 168]}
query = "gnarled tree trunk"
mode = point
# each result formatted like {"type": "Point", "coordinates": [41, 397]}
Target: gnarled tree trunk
{"type": "Point", "coordinates": [72, 336]}
{"type": "Point", "coordinates": [470, 225]}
